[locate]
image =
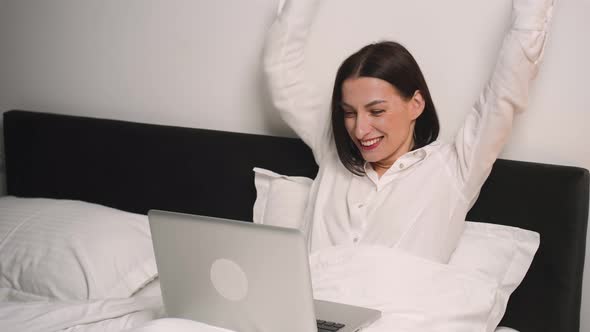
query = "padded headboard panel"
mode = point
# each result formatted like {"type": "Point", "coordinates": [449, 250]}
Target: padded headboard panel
{"type": "Point", "coordinates": [137, 167]}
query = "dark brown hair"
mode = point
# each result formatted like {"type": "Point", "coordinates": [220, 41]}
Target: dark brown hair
{"type": "Point", "coordinates": [390, 62]}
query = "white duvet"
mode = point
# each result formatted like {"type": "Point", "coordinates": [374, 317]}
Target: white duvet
{"type": "Point", "coordinates": [21, 312]}
{"type": "Point", "coordinates": [414, 295]}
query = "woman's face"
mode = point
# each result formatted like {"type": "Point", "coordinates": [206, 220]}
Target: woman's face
{"type": "Point", "coordinates": [379, 121]}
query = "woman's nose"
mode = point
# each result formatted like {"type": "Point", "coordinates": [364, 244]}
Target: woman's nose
{"type": "Point", "coordinates": [362, 126]}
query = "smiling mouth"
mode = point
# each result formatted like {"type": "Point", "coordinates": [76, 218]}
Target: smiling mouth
{"type": "Point", "coordinates": [371, 143]}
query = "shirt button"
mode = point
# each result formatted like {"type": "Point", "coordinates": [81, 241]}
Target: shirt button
{"type": "Point", "coordinates": [355, 240]}
{"type": "Point", "coordinates": [401, 166]}
{"type": "Point", "coordinates": [360, 205]}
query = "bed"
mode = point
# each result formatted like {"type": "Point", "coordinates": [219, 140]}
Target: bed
{"type": "Point", "coordinates": [137, 167]}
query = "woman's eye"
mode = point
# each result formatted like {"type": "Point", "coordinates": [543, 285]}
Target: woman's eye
{"type": "Point", "coordinates": [348, 114]}
{"type": "Point", "coordinates": [377, 112]}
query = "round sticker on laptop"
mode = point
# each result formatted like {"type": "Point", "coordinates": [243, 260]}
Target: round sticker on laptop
{"type": "Point", "coordinates": [229, 279]}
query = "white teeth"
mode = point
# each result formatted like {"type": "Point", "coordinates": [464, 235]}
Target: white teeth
{"type": "Point", "coordinates": [370, 142]}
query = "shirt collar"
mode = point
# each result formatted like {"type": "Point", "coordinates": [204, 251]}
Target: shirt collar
{"type": "Point", "coordinates": [403, 163]}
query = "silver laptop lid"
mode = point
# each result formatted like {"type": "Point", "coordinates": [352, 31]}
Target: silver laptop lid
{"type": "Point", "coordinates": [210, 271]}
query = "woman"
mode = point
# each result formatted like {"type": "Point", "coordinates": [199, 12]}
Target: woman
{"type": "Point", "coordinates": [383, 177]}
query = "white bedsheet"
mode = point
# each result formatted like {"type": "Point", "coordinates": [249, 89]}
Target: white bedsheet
{"type": "Point", "coordinates": [347, 275]}
{"type": "Point", "coordinates": [182, 325]}
{"type": "Point", "coordinates": [23, 312]}
{"type": "Point", "coordinates": [412, 294]}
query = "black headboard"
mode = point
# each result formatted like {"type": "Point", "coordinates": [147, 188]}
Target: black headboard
{"type": "Point", "coordinates": [137, 167]}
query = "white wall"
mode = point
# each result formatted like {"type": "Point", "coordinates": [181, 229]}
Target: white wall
{"type": "Point", "coordinates": [178, 62]}
{"type": "Point", "coordinates": [196, 63]}
{"type": "Point", "coordinates": [5, 92]}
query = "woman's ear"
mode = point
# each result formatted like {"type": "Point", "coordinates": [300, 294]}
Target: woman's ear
{"type": "Point", "coordinates": [417, 104]}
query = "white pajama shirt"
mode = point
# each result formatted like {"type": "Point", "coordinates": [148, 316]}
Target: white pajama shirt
{"type": "Point", "coordinates": [419, 205]}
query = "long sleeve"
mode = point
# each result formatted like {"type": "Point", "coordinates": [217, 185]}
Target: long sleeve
{"type": "Point", "coordinates": [487, 128]}
{"type": "Point", "coordinates": [298, 103]}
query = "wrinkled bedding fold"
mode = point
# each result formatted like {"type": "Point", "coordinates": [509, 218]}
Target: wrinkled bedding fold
{"type": "Point", "coordinates": [414, 294]}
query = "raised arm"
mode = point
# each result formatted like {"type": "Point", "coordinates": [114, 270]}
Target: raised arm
{"type": "Point", "coordinates": [487, 127]}
{"type": "Point", "coordinates": [298, 102]}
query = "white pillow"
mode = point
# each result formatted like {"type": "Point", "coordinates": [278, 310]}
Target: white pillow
{"type": "Point", "coordinates": [501, 252]}
{"type": "Point", "coordinates": [63, 249]}
{"type": "Point", "coordinates": [497, 254]}
{"type": "Point", "coordinates": [413, 293]}
{"type": "Point", "coordinates": [280, 199]}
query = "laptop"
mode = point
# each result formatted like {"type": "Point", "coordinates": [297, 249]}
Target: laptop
{"type": "Point", "coordinates": [242, 276]}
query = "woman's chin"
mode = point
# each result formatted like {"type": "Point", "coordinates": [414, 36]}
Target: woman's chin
{"type": "Point", "coordinates": [370, 157]}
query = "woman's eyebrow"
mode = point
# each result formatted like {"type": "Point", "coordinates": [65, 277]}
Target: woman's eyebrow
{"type": "Point", "coordinates": [375, 102]}
{"type": "Point", "coordinates": [372, 103]}
{"type": "Point", "coordinates": [345, 105]}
